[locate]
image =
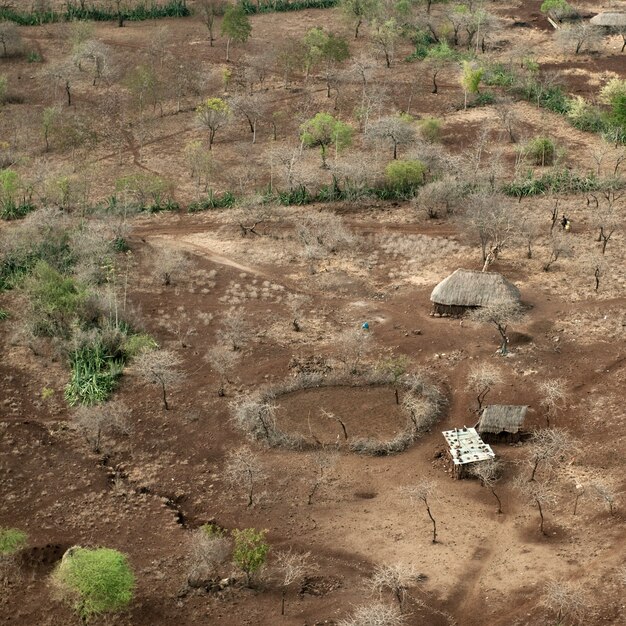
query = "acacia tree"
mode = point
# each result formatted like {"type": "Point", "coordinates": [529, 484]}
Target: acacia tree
{"type": "Point", "coordinates": [359, 11]}
{"type": "Point", "coordinates": [292, 567]}
{"type": "Point", "coordinates": [110, 417]}
{"type": "Point", "coordinates": [384, 36]}
{"type": "Point", "coordinates": [437, 59]}
{"type": "Point", "coordinates": [209, 548]}
{"type": "Point", "coordinates": [481, 379]}
{"type": "Point", "coordinates": [396, 130]}
{"type": "Point", "coordinates": [538, 494]}
{"type": "Point", "coordinates": [160, 367]}
{"type": "Point", "coordinates": [168, 263]}
{"type": "Point", "coordinates": [552, 392]}
{"type": "Point", "coordinates": [470, 80]}
{"type": "Point", "coordinates": [550, 447]}
{"type": "Point", "coordinates": [235, 26]}
{"type": "Point", "coordinates": [396, 578]}
{"type": "Point", "coordinates": [223, 360]}
{"type": "Point", "coordinates": [500, 313]}
{"type": "Point", "coordinates": [244, 470]}
{"type": "Point", "coordinates": [213, 114]}
{"type": "Point", "coordinates": [323, 131]}
{"type": "Point", "coordinates": [422, 492]}
{"type": "Point", "coordinates": [488, 472]}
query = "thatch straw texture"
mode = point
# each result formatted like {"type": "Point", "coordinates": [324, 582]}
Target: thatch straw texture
{"type": "Point", "coordinates": [498, 418]}
{"type": "Point", "coordinates": [609, 19]}
{"type": "Point", "coordinates": [472, 288]}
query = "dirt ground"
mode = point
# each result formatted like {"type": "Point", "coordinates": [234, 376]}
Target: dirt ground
{"type": "Point", "coordinates": [147, 492]}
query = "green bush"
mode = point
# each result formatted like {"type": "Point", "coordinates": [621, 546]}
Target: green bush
{"type": "Point", "coordinates": [95, 371]}
{"type": "Point", "coordinates": [557, 181]}
{"type": "Point", "coordinates": [57, 301]}
{"type": "Point", "coordinates": [430, 129]}
{"type": "Point", "coordinates": [213, 201]}
{"type": "Point", "coordinates": [94, 581]}
{"type": "Point", "coordinates": [34, 57]}
{"type": "Point", "coordinates": [484, 98]}
{"type": "Point", "coordinates": [540, 151]}
{"type": "Point", "coordinates": [135, 344]}
{"type": "Point", "coordinates": [405, 176]}
{"type": "Point", "coordinates": [11, 540]}
{"type": "Point", "coordinates": [271, 6]}
{"type": "Point", "coordinates": [250, 550]}
{"type": "Point", "coordinates": [4, 315]}
{"type": "Point", "coordinates": [499, 75]}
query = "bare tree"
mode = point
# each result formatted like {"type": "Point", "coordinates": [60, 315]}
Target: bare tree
{"type": "Point", "coordinates": [606, 213]}
{"type": "Point", "coordinates": [244, 471]}
{"type": "Point", "coordinates": [322, 233]}
{"type": "Point", "coordinates": [488, 472]}
{"type": "Point", "coordinates": [323, 462]}
{"type": "Point", "coordinates": [529, 229]}
{"type": "Point", "coordinates": [252, 108]}
{"type": "Point", "coordinates": [396, 578]}
{"type": "Point", "coordinates": [10, 39]}
{"type": "Point", "coordinates": [606, 493]}
{"type": "Point", "coordinates": [209, 10]}
{"type": "Point", "coordinates": [559, 246]}
{"type": "Point", "coordinates": [422, 492]}
{"type": "Point", "coordinates": [98, 55]}
{"type": "Point", "coordinates": [501, 314]}
{"type": "Point", "coordinates": [552, 391]}
{"type": "Point", "coordinates": [443, 194]}
{"type": "Point", "coordinates": [538, 494]}
{"type": "Point", "coordinates": [352, 345]}
{"type": "Point", "coordinates": [567, 601]}
{"type": "Point", "coordinates": [159, 367]}
{"type": "Point", "coordinates": [395, 130]}
{"type": "Point", "coordinates": [580, 36]}
{"type": "Point", "coordinates": [235, 329]}
{"type": "Point", "coordinates": [256, 417]}
{"type": "Point", "coordinates": [168, 263]}
{"type": "Point", "coordinates": [374, 614]}
{"type": "Point", "coordinates": [208, 550]}
{"type": "Point", "coordinates": [292, 567]}
{"type": "Point", "coordinates": [94, 421]}
{"type": "Point", "coordinates": [550, 447]}
{"type": "Point", "coordinates": [507, 118]}
{"type": "Point", "coordinates": [222, 360]}
{"type": "Point", "coordinates": [481, 379]}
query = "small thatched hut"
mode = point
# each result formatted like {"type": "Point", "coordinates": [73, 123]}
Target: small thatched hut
{"type": "Point", "coordinates": [609, 20]}
{"type": "Point", "coordinates": [468, 289]}
{"type": "Point", "coordinates": [502, 423]}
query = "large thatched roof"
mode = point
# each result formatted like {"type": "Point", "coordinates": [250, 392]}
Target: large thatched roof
{"type": "Point", "coordinates": [473, 288]}
{"type": "Point", "coordinates": [609, 19]}
{"type": "Point", "coordinates": [498, 418]}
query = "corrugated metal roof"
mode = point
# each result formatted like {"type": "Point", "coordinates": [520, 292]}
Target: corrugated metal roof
{"type": "Point", "coordinates": [466, 446]}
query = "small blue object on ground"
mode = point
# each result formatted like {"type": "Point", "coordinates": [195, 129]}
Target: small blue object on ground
{"type": "Point", "coordinates": [365, 326]}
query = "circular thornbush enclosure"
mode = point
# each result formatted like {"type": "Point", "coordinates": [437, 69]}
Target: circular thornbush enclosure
{"type": "Point", "coordinates": [366, 414]}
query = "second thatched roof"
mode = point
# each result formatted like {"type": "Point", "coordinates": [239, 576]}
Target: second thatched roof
{"type": "Point", "coordinates": [498, 418]}
{"type": "Point", "coordinates": [609, 19]}
{"type": "Point", "coordinates": [472, 288]}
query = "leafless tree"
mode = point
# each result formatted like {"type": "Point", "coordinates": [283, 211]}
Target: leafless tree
{"type": "Point", "coordinates": [98, 55]}
{"type": "Point", "coordinates": [322, 233]}
{"type": "Point", "coordinates": [63, 73]}
{"type": "Point", "coordinates": [422, 492]}
{"type": "Point", "coordinates": [395, 130]}
{"type": "Point", "coordinates": [223, 360]}
{"type": "Point", "coordinates": [292, 567]}
{"type": "Point", "coordinates": [208, 11]}
{"type": "Point", "coordinates": [374, 614]}
{"type": "Point", "coordinates": [559, 246]}
{"type": "Point", "coordinates": [567, 601]}
{"type": "Point", "coordinates": [252, 108]}
{"type": "Point", "coordinates": [550, 447]}
{"type": "Point", "coordinates": [507, 118]}
{"type": "Point", "coordinates": [396, 578]}
{"type": "Point", "coordinates": [552, 392]}
{"type": "Point", "coordinates": [606, 213]}
{"type": "Point", "coordinates": [500, 314]}
{"type": "Point", "coordinates": [159, 367]}
{"type": "Point", "coordinates": [244, 470]}
{"type": "Point", "coordinates": [255, 417]}
{"type": "Point", "coordinates": [538, 494]}
{"type": "Point", "coordinates": [207, 552]}
{"type": "Point", "coordinates": [580, 36]}
{"type": "Point", "coordinates": [235, 330]}
{"type": "Point", "coordinates": [529, 229]}
{"type": "Point", "coordinates": [323, 462]}
{"type": "Point", "coordinates": [94, 421]}
{"type": "Point", "coordinates": [481, 379]}
{"type": "Point", "coordinates": [10, 39]}
{"type": "Point", "coordinates": [352, 345]}
{"type": "Point", "coordinates": [443, 194]}
{"type": "Point", "coordinates": [489, 472]}
{"type": "Point", "coordinates": [168, 263]}
{"type": "Point", "coordinates": [605, 492]}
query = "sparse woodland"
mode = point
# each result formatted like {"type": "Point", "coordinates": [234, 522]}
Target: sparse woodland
{"type": "Point", "coordinates": [222, 390]}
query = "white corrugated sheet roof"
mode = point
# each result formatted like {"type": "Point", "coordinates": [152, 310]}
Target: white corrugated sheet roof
{"type": "Point", "coordinates": [466, 446]}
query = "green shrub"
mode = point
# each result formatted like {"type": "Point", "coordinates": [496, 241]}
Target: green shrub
{"type": "Point", "coordinates": [4, 315]}
{"type": "Point", "coordinates": [213, 530]}
{"type": "Point", "coordinates": [94, 373]}
{"type": "Point", "coordinates": [213, 201]}
{"type": "Point", "coordinates": [250, 550]}
{"type": "Point", "coordinates": [94, 581]}
{"type": "Point", "coordinates": [405, 176]}
{"type": "Point", "coordinates": [557, 9]}
{"type": "Point", "coordinates": [271, 6]}
{"type": "Point", "coordinates": [540, 151]}
{"type": "Point", "coordinates": [135, 344]}
{"type": "Point", "coordinates": [557, 181]}
{"type": "Point", "coordinates": [585, 116]}
{"type": "Point", "coordinates": [499, 75]}
{"type": "Point", "coordinates": [56, 301]}
{"type": "Point", "coordinates": [11, 540]}
{"type": "Point", "coordinates": [430, 129]}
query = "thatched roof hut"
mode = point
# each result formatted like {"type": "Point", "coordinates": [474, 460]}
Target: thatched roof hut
{"type": "Point", "coordinates": [465, 289]}
{"type": "Point", "coordinates": [609, 19]}
{"type": "Point", "coordinates": [502, 422]}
